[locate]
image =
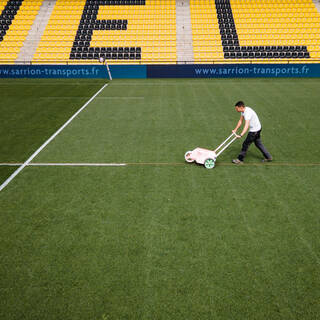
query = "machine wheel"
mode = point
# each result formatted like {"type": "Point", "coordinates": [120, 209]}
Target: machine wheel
{"type": "Point", "coordinates": [209, 163]}
{"type": "Point", "coordinates": [187, 156]}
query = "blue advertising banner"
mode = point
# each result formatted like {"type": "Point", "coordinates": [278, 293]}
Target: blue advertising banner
{"type": "Point", "coordinates": [233, 71]}
{"type": "Point", "coordinates": [71, 71]}
{"type": "Point", "coordinates": [162, 71]}
{"type": "Point", "coordinates": [128, 71]}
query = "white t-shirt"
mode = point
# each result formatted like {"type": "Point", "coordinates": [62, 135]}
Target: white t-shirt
{"type": "Point", "coordinates": [249, 114]}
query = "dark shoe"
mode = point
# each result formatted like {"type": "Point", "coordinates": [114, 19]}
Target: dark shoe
{"type": "Point", "coordinates": [267, 160]}
{"type": "Point", "coordinates": [237, 161]}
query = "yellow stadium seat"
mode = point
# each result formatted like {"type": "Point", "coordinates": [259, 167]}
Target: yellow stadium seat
{"type": "Point", "coordinates": [282, 24]}
{"type": "Point", "coordinates": [149, 26]}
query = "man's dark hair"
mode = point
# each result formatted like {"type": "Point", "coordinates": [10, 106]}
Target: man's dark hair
{"type": "Point", "coordinates": [239, 104]}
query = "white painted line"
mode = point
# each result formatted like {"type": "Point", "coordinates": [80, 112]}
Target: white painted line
{"type": "Point", "coordinates": [5, 183]}
{"type": "Point", "coordinates": [98, 98]}
{"type": "Point", "coordinates": [182, 163]}
{"type": "Point", "coordinates": [61, 164]}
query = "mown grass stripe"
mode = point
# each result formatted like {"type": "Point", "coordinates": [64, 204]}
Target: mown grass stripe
{"type": "Point", "coordinates": [100, 98]}
{"type": "Point", "coordinates": [77, 164]}
{"type": "Point", "coordinates": [6, 182]}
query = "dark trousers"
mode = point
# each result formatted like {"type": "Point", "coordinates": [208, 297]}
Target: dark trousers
{"type": "Point", "coordinates": [253, 137]}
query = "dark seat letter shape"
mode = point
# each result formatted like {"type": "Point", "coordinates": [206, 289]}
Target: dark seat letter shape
{"type": "Point", "coordinates": [230, 40]}
{"type": "Point", "coordinates": [81, 48]}
{"type": "Point", "coordinates": [7, 15]}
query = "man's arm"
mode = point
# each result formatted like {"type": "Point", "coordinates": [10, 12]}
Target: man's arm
{"type": "Point", "coordinates": [238, 125]}
{"type": "Point", "coordinates": [246, 127]}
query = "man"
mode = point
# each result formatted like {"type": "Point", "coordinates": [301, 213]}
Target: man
{"type": "Point", "coordinates": [253, 124]}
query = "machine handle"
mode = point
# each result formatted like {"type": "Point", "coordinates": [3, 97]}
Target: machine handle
{"type": "Point", "coordinates": [225, 141]}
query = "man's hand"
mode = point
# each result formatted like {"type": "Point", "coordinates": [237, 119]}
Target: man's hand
{"type": "Point", "coordinates": [235, 133]}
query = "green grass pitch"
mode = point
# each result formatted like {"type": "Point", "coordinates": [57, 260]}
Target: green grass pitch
{"type": "Point", "coordinates": [159, 238]}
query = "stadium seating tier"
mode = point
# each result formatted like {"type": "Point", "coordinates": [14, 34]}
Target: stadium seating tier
{"type": "Point", "coordinates": [144, 31]}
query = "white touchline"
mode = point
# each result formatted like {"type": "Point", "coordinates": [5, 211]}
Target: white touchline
{"type": "Point", "coordinates": [119, 164]}
{"type": "Point", "coordinates": [99, 98]}
{"type": "Point", "coordinates": [38, 164]}
{"type": "Point", "coordinates": [4, 184]}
